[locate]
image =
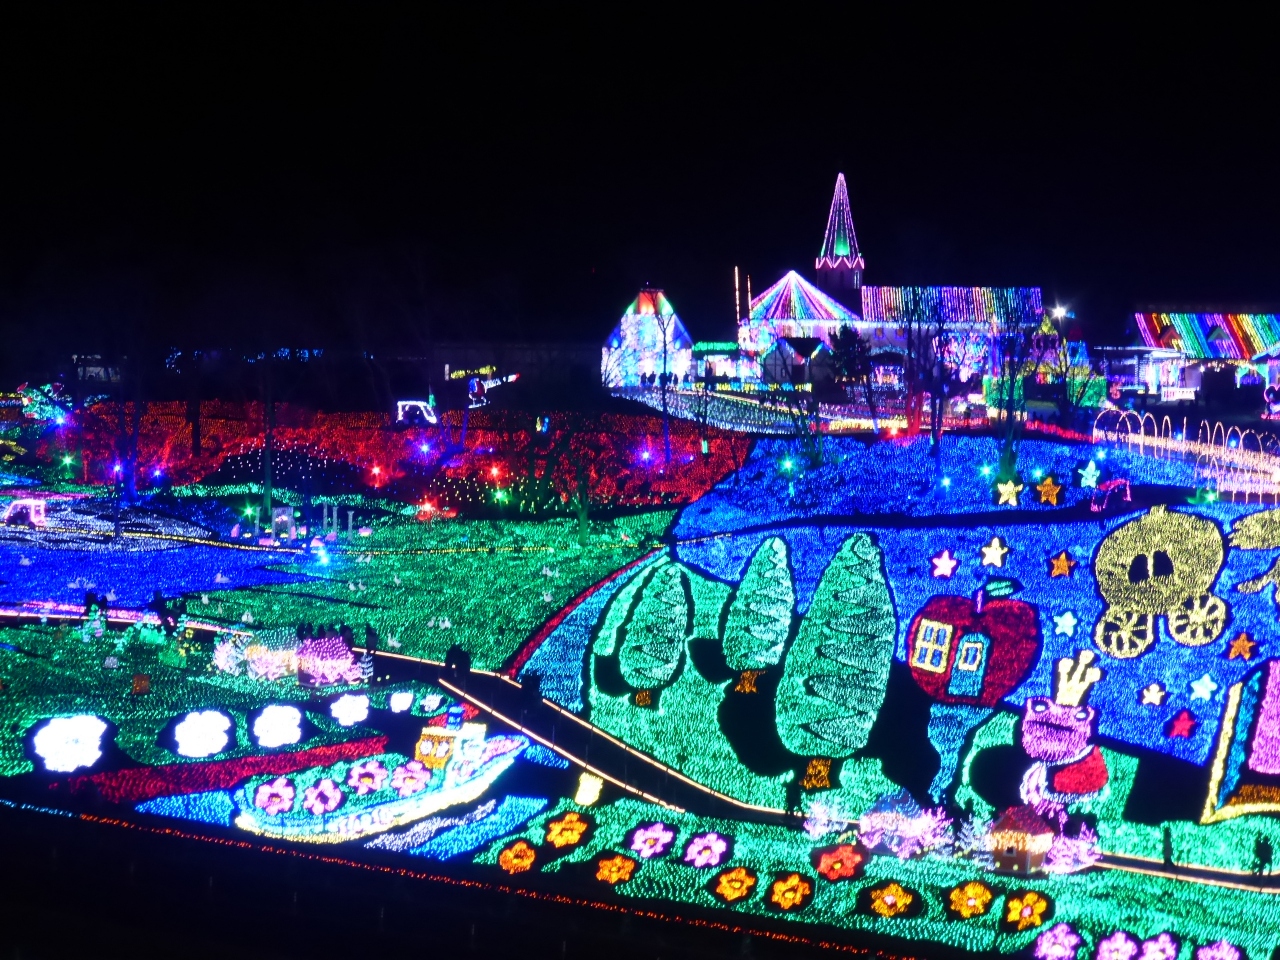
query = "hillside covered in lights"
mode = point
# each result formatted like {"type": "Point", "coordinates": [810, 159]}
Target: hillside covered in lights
{"type": "Point", "coordinates": [868, 692]}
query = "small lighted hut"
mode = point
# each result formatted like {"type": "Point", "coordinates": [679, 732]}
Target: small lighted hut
{"type": "Point", "coordinates": [1020, 839]}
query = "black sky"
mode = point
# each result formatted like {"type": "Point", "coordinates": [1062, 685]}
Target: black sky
{"type": "Point", "coordinates": [355, 175]}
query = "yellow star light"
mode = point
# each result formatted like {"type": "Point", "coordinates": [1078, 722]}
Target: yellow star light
{"type": "Point", "coordinates": [1009, 491]}
{"type": "Point", "coordinates": [993, 553]}
{"type": "Point", "coordinates": [1241, 648]}
{"type": "Point", "coordinates": [1049, 491]}
{"type": "Point", "coordinates": [1152, 695]}
{"type": "Point", "coordinates": [1061, 565]}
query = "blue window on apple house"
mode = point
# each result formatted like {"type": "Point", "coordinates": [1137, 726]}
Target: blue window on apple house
{"type": "Point", "coordinates": [970, 665]}
{"type": "Point", "coordinates": [933, 643]}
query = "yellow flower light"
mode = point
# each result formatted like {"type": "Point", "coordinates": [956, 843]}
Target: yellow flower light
{"type": "Point", "coordinates": [790, 892]}
{"type": "Point", "coordinates": [971, 899]}
{"type": "Point", "coordinates": [735, 884]}
{"type": "Point", "coordinates": [567, 831]}
{"type": "Point", "coordinates": [615, 870]}
{"type": "Point", "coordinates": [517, 858]}
{"type": "Point", "coordinates": [891, 900]}
{"type": "Point", "coordinates": [1026, 911]}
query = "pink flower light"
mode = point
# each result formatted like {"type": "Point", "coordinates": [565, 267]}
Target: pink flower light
{"type": "Point", "coordinates": [1162, 947]}
{"type": "Point", "coordinates": [411, 778]}
{"type": "Point", "coordinates": [275, 797]}
{"type": "Point", "coordinates": [706, 850]}
{"type": "Point", "coordinates": [653, 840]}
{"type": "Point", "coordinates": [1118, 946]}
{"type": "Point", "coordinates": [1059, 942]}
{"type": "Point", "coordinates": [367, 777]}
{"type": "Point", "coordinates": [325, 797]}
{"type": "Point", "coordinates": [1219, 950]}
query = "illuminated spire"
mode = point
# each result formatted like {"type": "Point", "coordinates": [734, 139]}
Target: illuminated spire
{"type": "Point", "coordinates": [840, 263]}
{"type": "Point", "coordinates": [840, 244]}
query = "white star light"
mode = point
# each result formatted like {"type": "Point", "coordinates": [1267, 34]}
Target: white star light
{"type": "Point", "coordinates": [1065, 623]}
{"type": "Point", "coordinates": [350, 709]}
{"type": "Point", "coordinates": [1203, 688]}
{"type": "Point", "coordinates": [202, 733]}
{"type": "Point", "coordinates": [69, 743]}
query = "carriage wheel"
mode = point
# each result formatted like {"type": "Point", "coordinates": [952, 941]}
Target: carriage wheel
{"type": "Point", "coordinates": [1124, 635]}
{"type": "Point", "coordinates": [1198, 621]}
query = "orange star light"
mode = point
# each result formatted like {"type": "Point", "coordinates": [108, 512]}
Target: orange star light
{"type": "Point", "coordinates": [1062, 565]}
{"type": "Point", "coordinates": [1049, 491]}
{"type": "Point", "coordinates": [1241, 648]}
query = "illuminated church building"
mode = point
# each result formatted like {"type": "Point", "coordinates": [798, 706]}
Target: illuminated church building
{"type": "Point", "coordinates": [793, 315]}
{"type": "Point", "coordinates": [788, 329]}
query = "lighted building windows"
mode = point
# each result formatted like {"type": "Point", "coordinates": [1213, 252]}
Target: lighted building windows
{"type": "Point", "coordinates": [933, 643]}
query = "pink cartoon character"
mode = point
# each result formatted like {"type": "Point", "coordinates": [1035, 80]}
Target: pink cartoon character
{"type": "Point", "coordinates": [1056, 734]}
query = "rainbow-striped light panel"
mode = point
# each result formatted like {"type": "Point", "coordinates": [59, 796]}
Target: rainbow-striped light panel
{"type": "Point", "coordinates": [1205, 336]}
{"type": "Point", "coordinates": [959, 305]}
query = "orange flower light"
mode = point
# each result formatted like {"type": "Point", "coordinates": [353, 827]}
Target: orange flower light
{"type": "Point", "coordinates": [971, 899]}
{"type": "Point", "coordinates": [517, 858]}
{"type": "Point", "coordinates": [616, 869]}
{"type": "Point", "coordinates": [1026, 910]}
{"type": "Point", "coordinates": [567, 831]}
{"type": "Point", "coordinates": [841, 863]}
{"type": "Point", "coordinates": [891, 900]}
{"type": "Point", "coordinates": [735, 884]}
{"type": "Point", "coordinates": [790, 892]}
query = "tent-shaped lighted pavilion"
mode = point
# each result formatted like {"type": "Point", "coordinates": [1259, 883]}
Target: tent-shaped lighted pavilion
{"type": "Point", "coordinates": [648, 343]}
{"type": "Point", "coordinates": [792, 307]}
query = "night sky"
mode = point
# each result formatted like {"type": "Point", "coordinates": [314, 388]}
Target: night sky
{"type": "Point", "coordinates": [300, 177]}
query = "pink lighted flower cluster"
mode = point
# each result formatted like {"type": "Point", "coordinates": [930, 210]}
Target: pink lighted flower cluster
{"type": "Point", "coordinates": [706, 850]}
{"type": "Point", "coordinates": [324, 797]}
{"type": "Point", "coordinates": [367, 777]}
{"type": "Point", "coordinates": [653, 840]}
{"type": "Point", "coordinates": [1059, 942]}
{"type": "Point", "coordinates": [410, 778]}
{"type": "Point", "coordinates": [275, 797]}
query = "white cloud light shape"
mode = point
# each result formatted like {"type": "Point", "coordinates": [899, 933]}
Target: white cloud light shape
{"type": "Point", "coordinates": [278, 726]}
{"type": "Point", "coordinates": [69, 743]}
{"type": "Point", "coordinates": [401, 701]}
{"type": "Point", "coordinates": [202, 733]}
{"type": "Point", "coordinates": [349, 709]}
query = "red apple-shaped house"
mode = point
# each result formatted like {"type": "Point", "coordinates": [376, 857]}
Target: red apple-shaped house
{"type": "Point", "coordinates": [965, 650]}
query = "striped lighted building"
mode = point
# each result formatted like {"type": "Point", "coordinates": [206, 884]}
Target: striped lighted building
{"type": "Point", "coordinates": [1211, 336]}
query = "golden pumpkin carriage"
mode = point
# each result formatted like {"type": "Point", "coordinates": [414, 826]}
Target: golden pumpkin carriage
{"type": "Point", "coordinates": [1163, 564]}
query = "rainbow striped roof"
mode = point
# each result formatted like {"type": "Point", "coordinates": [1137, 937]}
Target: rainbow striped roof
{"type": "Point", "coordinates": [795, 298]}
{"type": "Point", "coordinates": [958, 305]}
{"type": "Point", "coordinates": [1208, 336]}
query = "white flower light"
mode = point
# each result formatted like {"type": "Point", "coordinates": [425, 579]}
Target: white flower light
{"type": "Point", "coordinates": [350, 709]}
{"type": "Point", "coordinates": [202, 733]}
{"type": "Point", "coordinates": [401, 701]}
{"type": "Point", "coordinates": [278, 726]}
{"type": "Point", "coordinates": [69, 743]}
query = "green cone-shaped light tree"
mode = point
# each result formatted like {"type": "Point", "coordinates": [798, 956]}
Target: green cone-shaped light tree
{"type": "Point", "coordinates": [836, 672]}
{"type": "Point", "coordinates": [759, 619]}
{"type": "Point", "coordinates": [652, 642]}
